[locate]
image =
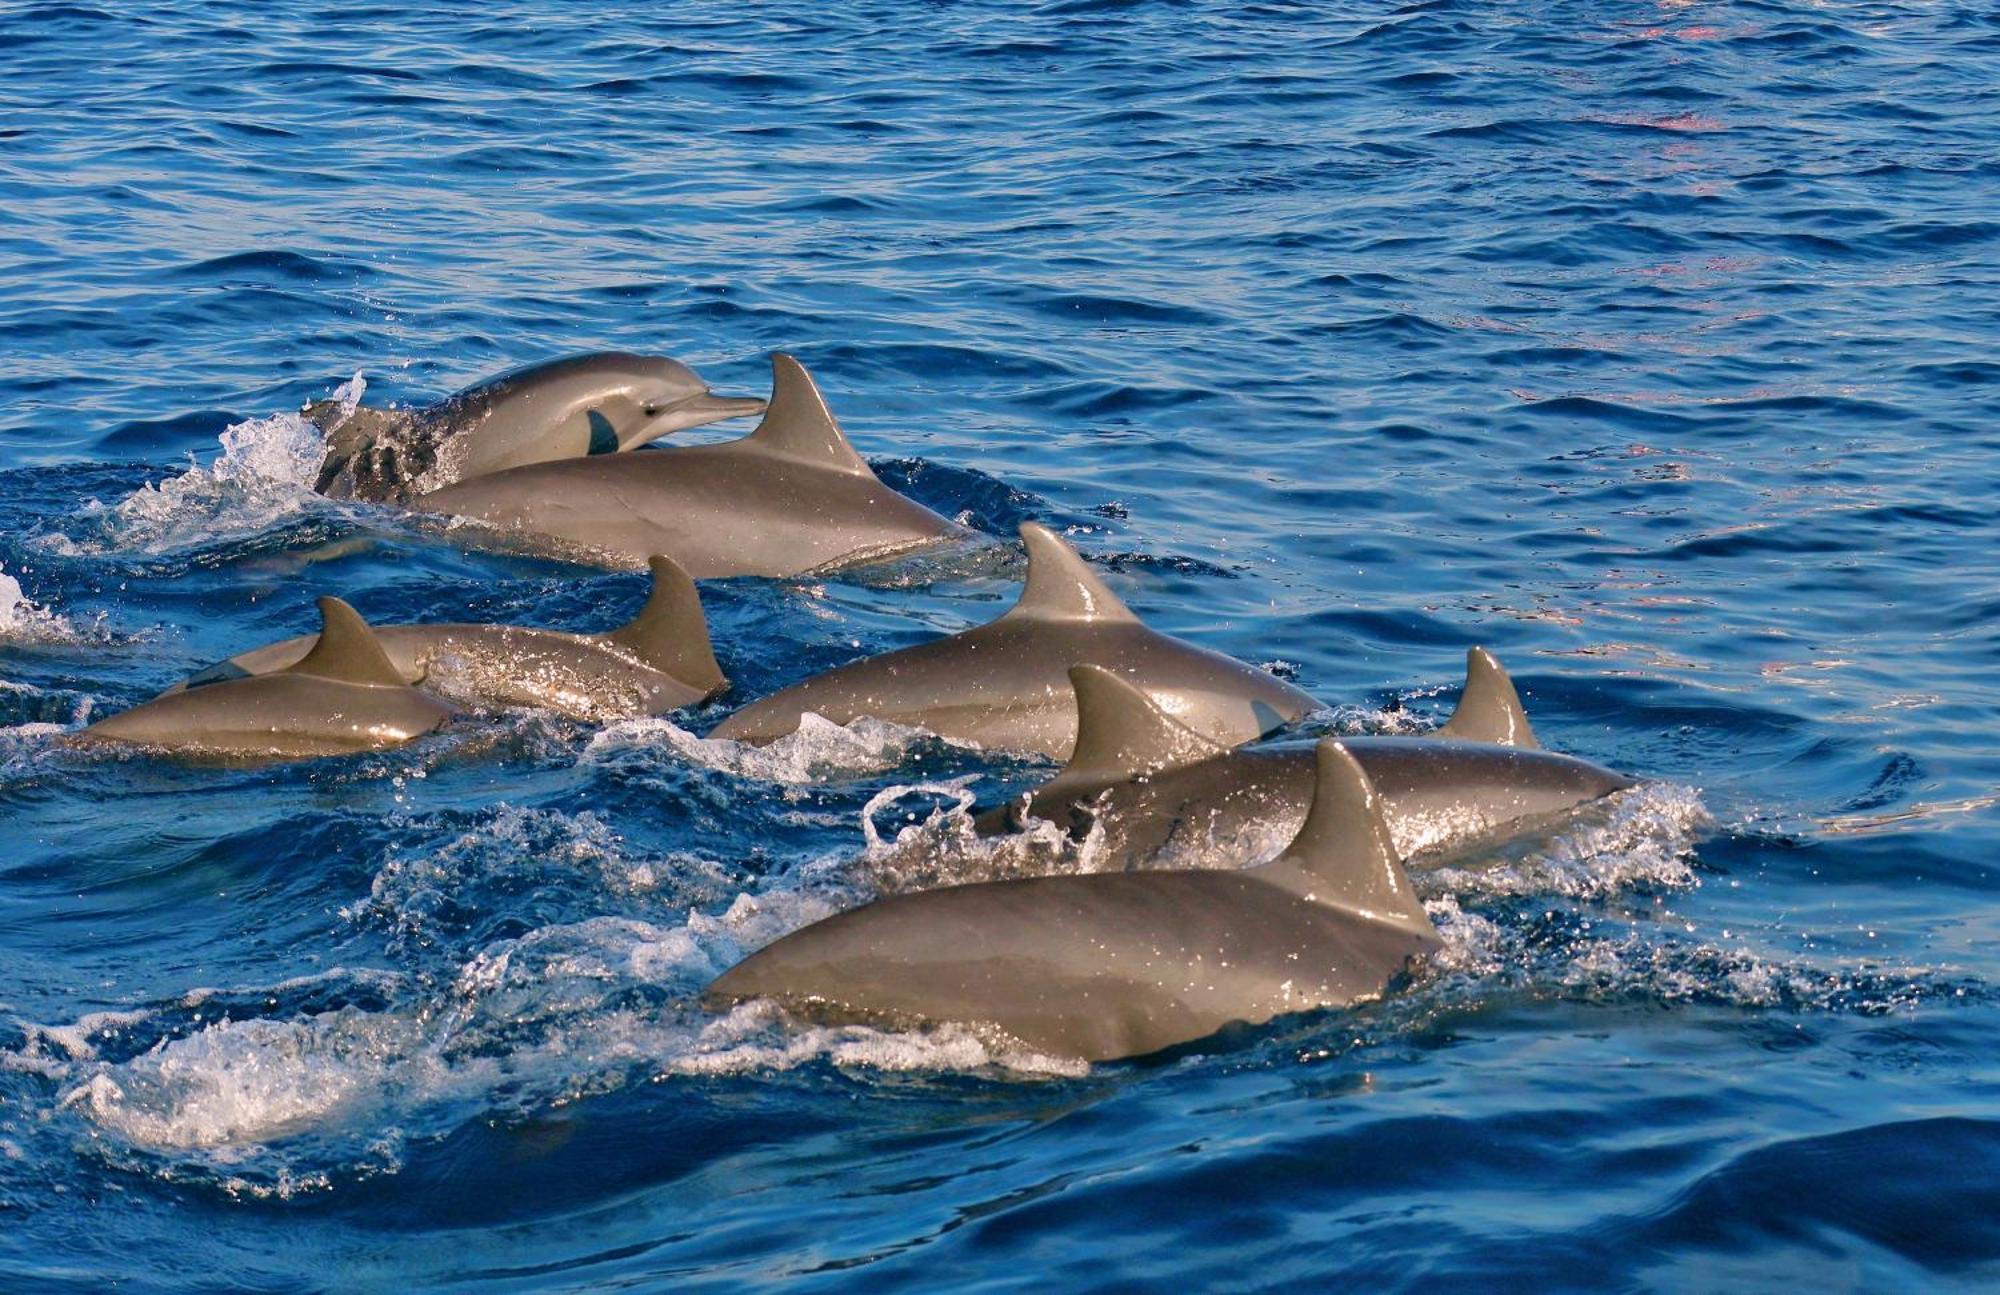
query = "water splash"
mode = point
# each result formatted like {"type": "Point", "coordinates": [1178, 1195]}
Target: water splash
{"type": "Point", "coordinates": [263, 477]}
{"type": "Point", "coordinates": [22, 620]}
{"type": "Point", "coordinates": [945, 849]}
{"type": "Point", "coordinates": [1641, 838]}
{"type": "Point", "coordinates": [819, 750]}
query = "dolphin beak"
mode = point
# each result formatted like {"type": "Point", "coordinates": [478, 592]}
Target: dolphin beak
{"type": "Point", "coordinates": [693, 412]}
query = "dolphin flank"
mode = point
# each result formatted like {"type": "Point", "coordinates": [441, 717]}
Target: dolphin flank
{"type": "Point", "coordinates": [659, 661]}
{"type": "Point", "coordinates": [581, 405]}
{"type": "Point", "coordinates": [1005, 684]}
{"type": "Point", "coordinates": [1110, 965]}
{"type": "Point", "coordinates": [791, 498]}
{"type": "Point", "coordinates": [1159, 794]}
{"type": "Point", "coordinates": [342, 696]}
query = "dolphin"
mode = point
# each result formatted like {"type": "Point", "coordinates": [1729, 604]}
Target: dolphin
{"type": "Point", "coordinates": [1005, 684]}
{"type": "Point", "coordinates": [660, 660]}
{"type": "Point", "coordinates": [1105, 966]}
{"type": "Point", "coordinates": [1164, 795]}
{"type": "Point", "coordinates": [342, 696]}
{"type": "Point", "coordinates": [791, 498]}
{"type": "Point", "coordinates": [598, 403]}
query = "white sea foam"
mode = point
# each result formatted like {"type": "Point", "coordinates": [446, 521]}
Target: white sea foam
{"type": "Point", "coordinates": [52, 1050]}
{"type": "Point", "coordinates": [264, 475]}
{"type": "Point", "coordinates": [817, 751]}
{"type": "Point", "coordinates": [22, 620]}
{"type": "Point", "coordinates": [1640, 838]}
{"type": "Point", "coordinates": [418, 890]}
{"type": "Point", "coordinates": [248, 1082]}
{"type": "Point", "coordinates": [758, 1036]}
{"type": "Point", "coordinates": [944, 849]}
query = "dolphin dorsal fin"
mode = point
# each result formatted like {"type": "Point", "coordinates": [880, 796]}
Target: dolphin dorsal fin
{"type": "Point", "coordinates": [1345, 849]}
{"type": "Point", "coordinates": [1122, 733]}
{"type": "Point", "coordinates": [1489, 710]}
{"type": "Point", "coordinates": [347, 650]}
{"type": "Point", "coordinates": [1061, 586]}
{"type": "Point", "coordinates": [798, 425]}
{"type": "Point", "coordinates": [670, 633]}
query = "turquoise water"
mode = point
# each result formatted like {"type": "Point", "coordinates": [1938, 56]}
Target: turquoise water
{"type": "Point", "coordinates": [1651, 345]}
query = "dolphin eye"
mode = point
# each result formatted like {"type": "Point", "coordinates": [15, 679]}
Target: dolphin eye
{"type": "Point", "coordinates": [649, 407]}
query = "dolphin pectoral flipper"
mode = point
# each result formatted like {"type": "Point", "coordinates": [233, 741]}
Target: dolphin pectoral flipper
{"type": "Point", "coordinates": [1344, 855]}
{"type": "Point", "coordinates": [347, 650]}
{"type": "Point", "coordinates": [1121, 733]}
{"type": "Point", "coordinates": [1489, 708]}
{"type": "Point", "coordinates": [798, 425]}
{"type": "Point", "coordinates": [1061, 586]}
{"type": "Point", "coordinates": [670, 633]}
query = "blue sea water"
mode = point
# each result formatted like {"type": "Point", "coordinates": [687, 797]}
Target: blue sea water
{"type": "Point", "coordinates": [1650, 344]}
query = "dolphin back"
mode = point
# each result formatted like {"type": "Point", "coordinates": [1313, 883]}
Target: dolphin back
{"type": "Point", "coordinates": [1111, 965]}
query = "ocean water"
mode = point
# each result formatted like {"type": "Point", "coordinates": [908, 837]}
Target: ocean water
{"type": "Point", "coordinates": [1652, 345]}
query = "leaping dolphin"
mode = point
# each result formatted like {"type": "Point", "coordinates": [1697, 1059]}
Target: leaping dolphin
{"type": "Point", "coordinates": [1005, 684]}
{"type": "Point", "coordinates": [1110, 965]}
{"type": "Point", "coordinates": [343, 696]}
{"type": "Point", "coordinates": [1163, 794]}
{"type": "Point", "coordinates": [659, 661]}
{"type": "Point", "coordinates": [791, 498]}
{"type": "Point", "coordinates": [569, 408]}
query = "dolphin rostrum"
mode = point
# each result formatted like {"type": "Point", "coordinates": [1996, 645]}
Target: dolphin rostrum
{"type": "Point", "coordinates": [1005, 684]}
{"type": "Point", "coordinates": [569, 408]}
{"type": "Point", "coordinates": [342, 696]}
{"type": "Point", "coordinates": [660, 660]}
{"type": "Point", "coordinates": [792, 497]}
{"type": "Point", "coordinates": [1110, 965]}
{"type": "Point", "coordinates": [1164, 795]}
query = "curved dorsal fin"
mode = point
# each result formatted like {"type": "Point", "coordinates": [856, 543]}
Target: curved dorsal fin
{"type": "Point", "coordinates": [1345, 849]}
{"type": "Point", "coordinates": [1061, 586]}
{"type": "Point", "coordinates": [1489, 710]}
{"type": "Point", "coordinates": [347, 650]}
{"type": "Point", "coordinates": [670, 633]}
{"type": "Point", "coordinates": [1122, 733]}
{"type": "Point", "coordinates": [798, 425]}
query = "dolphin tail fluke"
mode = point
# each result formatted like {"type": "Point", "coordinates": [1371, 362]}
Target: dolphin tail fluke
{"type": "Point", "coordinates": [1489, 709]}
{"type": "Point", "coordinates": [347, 650]}
{"type": "Point", "coordinates": [798, 425]}
{"type": "Point", "coordinates": [1121, 732]}
{"type": "Point", "coordinates": [1061, 586]}
{"type": "Point", "coordinates": [670, 633]}
{"type": "Point", "coordinates": [1345, 848]}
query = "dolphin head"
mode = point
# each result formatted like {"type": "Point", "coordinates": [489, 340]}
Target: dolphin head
{"type": "Point", "coordinates": [598, 403]}
{"type": "Point", "coordinates": [637, 399]}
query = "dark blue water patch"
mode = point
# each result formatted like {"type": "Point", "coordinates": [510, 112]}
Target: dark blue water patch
{"type": "Point", "coordinates": [1880, 1184]}
{"type": "Point", "coordinates": [169, 434]}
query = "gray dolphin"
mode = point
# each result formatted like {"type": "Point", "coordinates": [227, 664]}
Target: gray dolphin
{"type": "Point", "coordinates": [1005, 684]}
{"type": "Point", "coordinates": [1164, 794]}
{"type": "Point", "coordinates": [343, 696]}
{"type": "Point", "coordinates": [659, 661]}
{"type": "Point", "coordinates": [569, 408]}
{"type": "Point", "coordinates": [791, 498]}
{"type": "Point", "coordinates": [1109, 965]}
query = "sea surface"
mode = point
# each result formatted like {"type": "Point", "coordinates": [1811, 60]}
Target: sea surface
{"type": "Point", "coordinates": [1651, 345]}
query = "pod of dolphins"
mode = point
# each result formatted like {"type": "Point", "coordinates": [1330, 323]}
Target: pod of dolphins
{"type": "Point", "coordinates": [1240, 882]}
